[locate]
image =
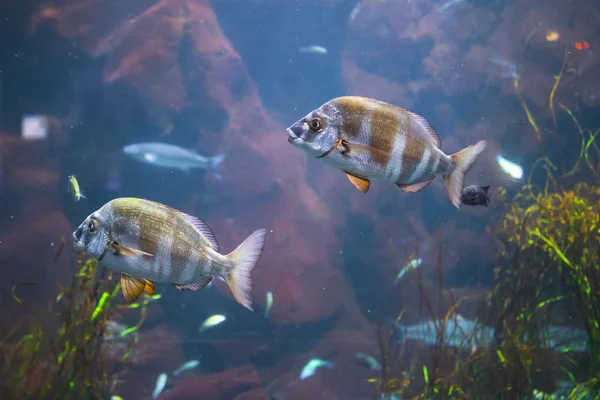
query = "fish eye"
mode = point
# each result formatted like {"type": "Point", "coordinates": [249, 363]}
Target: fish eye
{"type": "Point", "coordinates": [315, 124]}
{"type": "Point", "coordinates": [92, 226]}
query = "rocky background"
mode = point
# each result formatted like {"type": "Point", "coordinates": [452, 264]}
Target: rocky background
{"type": "Point", "coordinates": [226, 76]}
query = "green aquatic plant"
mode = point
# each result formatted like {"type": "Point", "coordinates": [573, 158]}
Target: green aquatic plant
{"type": "Point", "coordinates": [550, 262]}
{"type": "Point", "coordinates": [69, 362]}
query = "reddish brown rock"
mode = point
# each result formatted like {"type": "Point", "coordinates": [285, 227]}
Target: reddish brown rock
{"type": "Point", "coordinates": [347, 379]}
{"type": "Point", "coordinates": [158, 350]}
{"type": "Point", "coordinates": [32, 221]}
{"type": "Point", "coordinates": [238, 383]}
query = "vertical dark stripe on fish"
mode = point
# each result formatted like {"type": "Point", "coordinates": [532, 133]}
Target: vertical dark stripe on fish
{"type": "Point", "coordinates": [150, 223]}
{"type": "Point", "coordinates": [353, 115]}
{"type": "Point", "coordinates": [182, 249]}
{"type": "Point", "coordinates": [429, 167]}
{"type": "Point", "coordinates": [384, 127]}
{"type": "Point", "coordinates": [412, 155]}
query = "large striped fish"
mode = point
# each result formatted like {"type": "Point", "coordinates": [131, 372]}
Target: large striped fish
{"type": "Point", "coordinates": [149, 242]}
{"type": "Point", "coordinates": [372, 140]}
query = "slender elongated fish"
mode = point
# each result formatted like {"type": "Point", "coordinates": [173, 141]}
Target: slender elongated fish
{"type": "Point", "coordinates": [187, 366]}
{"type": "Point", "coordinates": [369, 140]}
{"type": "Point", "coordinates": [173, 157]}
{"type": "Point", "coordinates": [149, 242]}
{"type": "Point", "coordinates": [311, 366]}
{"type": "Point", "coordinates": [211, 321]}
{"type": "Point", "coordinates": [161, 383]}
{"type": "Point", "coordinates": [269, 304]}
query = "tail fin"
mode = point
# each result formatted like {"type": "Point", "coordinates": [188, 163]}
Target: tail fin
{"type": "Point", "coordinates": [398, 335]}
{"type": "Point", "coordinates": [214, 162]}
{"type": "Point", "coordinates": [244, 259]}
{"type": "Point", "coordinates": [463, 161]}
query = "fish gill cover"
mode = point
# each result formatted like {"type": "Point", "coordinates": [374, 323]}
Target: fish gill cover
{"type": "Point", "coordinates": [499, 302]}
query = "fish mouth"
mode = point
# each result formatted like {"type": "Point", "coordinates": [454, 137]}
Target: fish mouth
{"type": "Point", "coordinates": [292, 136]}
{"type": "Point", "coordinates": [77, 243]}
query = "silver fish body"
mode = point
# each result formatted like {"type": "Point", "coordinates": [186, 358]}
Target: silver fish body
{"type": "Point", "coordinates": [149, 242]}
{"type": "Point", "coordinates": [456, 331]}
{"type": "Point", "coordinates": [173, 157]}
{"type": "Point", "coordinates": [372, 140]}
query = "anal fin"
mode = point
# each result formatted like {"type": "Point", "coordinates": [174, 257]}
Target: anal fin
{"type": "Point", "coordinates": [194, 286]}
{"type": "Point", "coordinates": [361, 184]}
{"type": "Point", "coordinates": [132, 287]}
{"type": "Point", "coordinates": [415, 187]}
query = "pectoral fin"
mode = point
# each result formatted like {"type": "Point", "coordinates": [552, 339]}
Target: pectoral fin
{"type": "Point", "coordinates": [361, 184]}
{"type": "Point", "coordinates": [120, 250]}
{"type": "Point", "coordinates": [415, 187]}
{"type": "Point", "coordinates": [132, 287]}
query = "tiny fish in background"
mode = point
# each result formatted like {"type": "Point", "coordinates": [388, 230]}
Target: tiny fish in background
{"type": "Point", "coordinates": [449, 4]}
{"type": "Point", "coordinates": [514, 170]}
{"type": "Point", "coordinates": [173, 157]}
{"type": "Point", "coordinates": [74, 189]}
{"type": "Point", "coordinates": [187, 366]}
{"type": "Point", "coordinates": [161, 383]}
{"type": "Point", "coordinates": [410, 266]}
{"type": "Point", "coordinates": [212, 321]}
{"type": "Point", "coordinates": [370, 139]}
{"type": "Point", "coordinates": [149, 242]}
{"type": "Point", "coordinates": [313, 50]}
{"type": "Point", "coordinates": [476, 195]}
{"type": "Point", "coordinates": [552, 36]}
{"type": "Point", "coordinates": [269, 304]}
{"type": "Point", "coordinates": [372, 362]}
{"type": "Point", "coordinates": [311, 366]}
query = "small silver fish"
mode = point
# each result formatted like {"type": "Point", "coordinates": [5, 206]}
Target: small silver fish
{"type": "Point", "coordinates": [313, 50]}
{"type": "Point", "coordinates": [370, 139]}
{"type": "Point", "coordinates": [449, 4]}
{"type": "Point", "coordinates": [74, 189]}
{"type": "Point", "coordinates": [211, 321]}
{"type": "Point", "coordinates": [149, 242]}
{"type": "Point", "coordinates": [161, 382]}
{"type": "Point", "coordinates": [372, 362]}
{"type": "Point", "coordinates": [514, 170]}
{"type": "Point", "coordinates": [173, 157]}
{"type": "Point", "coordinates": [187, 366]}
{"type": "Point", "coordinates": [412, 265]}
{"type": "Point", "coordinates": [311, 366]}
{"type": "Point", "coordinates": [269, 304]}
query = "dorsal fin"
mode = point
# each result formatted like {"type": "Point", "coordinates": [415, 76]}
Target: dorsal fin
{"type": "Point", "coordinates": [200, 225]}
{"type": "Point", "coordinates": [204, 229]}
{"type": "Point", "coordinates": [424, 129]}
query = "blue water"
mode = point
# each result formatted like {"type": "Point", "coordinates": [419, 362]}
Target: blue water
{"type": "Point", "coordinates": [80, 80]}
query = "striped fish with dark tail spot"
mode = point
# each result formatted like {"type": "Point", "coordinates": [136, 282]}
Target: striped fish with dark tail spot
{"type": "Point", "coordinates": [369, 140]}
{"type": "Point", "coordinates": [150, 242]}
